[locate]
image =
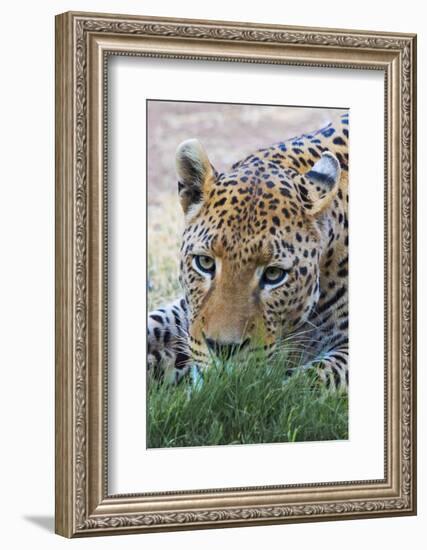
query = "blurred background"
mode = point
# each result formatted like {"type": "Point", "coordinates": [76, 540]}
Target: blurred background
{"type": "Point", "coordinates": [229, 132]}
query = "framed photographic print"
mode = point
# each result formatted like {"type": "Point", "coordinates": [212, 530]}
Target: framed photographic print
{"type": "Point", "coordinates": [235, 274]}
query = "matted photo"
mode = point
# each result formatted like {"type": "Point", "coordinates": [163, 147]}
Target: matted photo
{"type": "Point", "coordinates": [235, 274]}
{"type": "Point", "coordinates": [247, 273]}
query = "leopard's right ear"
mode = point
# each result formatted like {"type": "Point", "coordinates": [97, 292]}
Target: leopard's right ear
{"type": "Point", "coordinates": [323, 182]}
{"type": "Point", "coordinates": [195, 173]}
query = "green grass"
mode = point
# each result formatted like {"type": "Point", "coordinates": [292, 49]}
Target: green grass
{"type": "Point", "coordinates": [241, 404]}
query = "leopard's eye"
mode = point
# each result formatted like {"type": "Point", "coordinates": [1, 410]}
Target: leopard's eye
{"type": "Point", "coordinates": [204, 264]}
{"type": "Point", "coordinates": [273, 276]}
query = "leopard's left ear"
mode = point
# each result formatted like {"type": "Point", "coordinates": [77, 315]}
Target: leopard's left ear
{"type": "Point", "coordinates": [195, 173]}
{"type": "Point", "coordinates": [322, 183]}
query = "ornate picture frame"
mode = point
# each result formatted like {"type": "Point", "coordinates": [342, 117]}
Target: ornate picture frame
{"type": "Point", "coordinates": [84, 43]}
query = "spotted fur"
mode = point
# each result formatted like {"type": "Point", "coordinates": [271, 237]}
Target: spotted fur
{"type": "Point", "coordinates": [283, 206]}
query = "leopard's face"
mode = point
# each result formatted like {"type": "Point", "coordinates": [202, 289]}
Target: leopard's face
{"type": "Point", "coordinates": [250, 250]}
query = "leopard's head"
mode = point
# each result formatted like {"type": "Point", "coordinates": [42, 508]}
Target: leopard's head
{"type": "Point", "coordinates": [251, 248]}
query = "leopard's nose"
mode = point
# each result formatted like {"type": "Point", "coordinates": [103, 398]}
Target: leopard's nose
{"type": "Point", "coordinates": [225, 350]}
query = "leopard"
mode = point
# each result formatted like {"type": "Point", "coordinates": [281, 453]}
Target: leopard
{"type": "Point", "coordinates": [263, 259]}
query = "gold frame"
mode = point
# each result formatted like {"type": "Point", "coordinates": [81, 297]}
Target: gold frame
{"type": "Point", "coordinates": [83, 43]}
